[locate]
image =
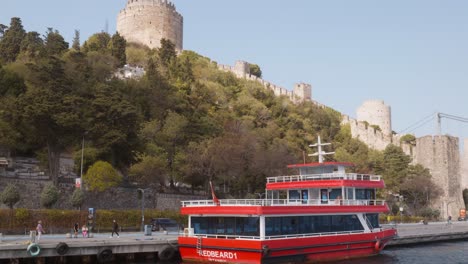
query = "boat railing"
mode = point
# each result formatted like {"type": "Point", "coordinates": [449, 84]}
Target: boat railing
{"type": "Point", "coordinates": [324, 176]}
{"type": "Point", "coordinates": [223, 236]}
{"type": "Point", "coordinates": [282, 202]}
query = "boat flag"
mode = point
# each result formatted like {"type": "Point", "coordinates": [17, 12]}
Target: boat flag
{"type": "Point", "coordinates": [215, 199]}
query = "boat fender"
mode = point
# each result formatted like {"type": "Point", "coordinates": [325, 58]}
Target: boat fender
{"type": "Point", "coordinates": [62, 248]}
{"type": "Point", "coordinates": [266, 250]}
{"type": "Point", "coordinates": [168, 253]}
{"type": "Point", "coordinates": [378, 245]}
{"type": "Point", "coordinates": [33, 249]}
{"type": "Point", "coordinates": [104, 255]}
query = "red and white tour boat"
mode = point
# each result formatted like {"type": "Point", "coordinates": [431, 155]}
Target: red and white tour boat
{"type": "Point", "coordinates": [322, 214]}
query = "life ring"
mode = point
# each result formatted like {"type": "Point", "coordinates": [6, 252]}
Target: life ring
{"type": "Point", "coordinates": [379, 245]}
{"type": "Point", "coordinates": [62, 248]}
{"type": "Point", "coordinates": [266, 250]}
{"type": "Point", "coordinates": [33, 249]}
{"type": "Point", "coordinates": [167, 254]}
{"type": "Point", "coordinates": [104, 255]}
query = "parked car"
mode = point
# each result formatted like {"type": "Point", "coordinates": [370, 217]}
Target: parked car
{"type": "Point", "coordinates": [164, 224]}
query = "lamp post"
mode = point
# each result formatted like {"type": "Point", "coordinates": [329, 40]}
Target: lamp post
{"type": "Point", "coordinates": [142, 208]}
{"type": "Point", "coordinates": [82, 157]}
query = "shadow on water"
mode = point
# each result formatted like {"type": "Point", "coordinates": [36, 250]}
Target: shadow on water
{"type": "Point", "coordinates": [446, 252]}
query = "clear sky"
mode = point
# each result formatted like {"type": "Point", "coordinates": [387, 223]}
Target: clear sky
{"type": "Point", "coordinates": [411, 54]}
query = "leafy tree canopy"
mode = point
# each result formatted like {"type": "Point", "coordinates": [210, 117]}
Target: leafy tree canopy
{"type": "Point", "coordinates": [101, 176]}
{"type": "Point", "coordinates": [10, 196]}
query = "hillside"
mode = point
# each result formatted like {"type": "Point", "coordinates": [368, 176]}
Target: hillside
{"type": "Point", "coordinates": [183, 121]}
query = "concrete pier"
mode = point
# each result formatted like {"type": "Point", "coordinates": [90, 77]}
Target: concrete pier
{"type": "Point", "coordinates": [413, 234]}
{"type": "Point", "coordinates": [100, 247]}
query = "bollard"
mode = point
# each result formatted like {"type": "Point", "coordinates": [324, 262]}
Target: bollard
{"type": "Point", "coordinates": [32, 236]}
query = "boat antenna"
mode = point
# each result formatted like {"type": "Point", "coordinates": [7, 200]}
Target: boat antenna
{"type": "Point", "coordinates": [320, 153]}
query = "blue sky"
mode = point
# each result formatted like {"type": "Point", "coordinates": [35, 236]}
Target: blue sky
{"type": "Point", "coordinates": [411, 54]}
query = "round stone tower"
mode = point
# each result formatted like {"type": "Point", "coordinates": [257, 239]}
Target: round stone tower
{"type": "Point", "coordinates": [375, 112]}
{"type": "Point", "coordinates": [148, 21]}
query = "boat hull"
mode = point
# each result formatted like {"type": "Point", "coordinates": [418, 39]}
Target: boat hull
{"type": "Point", "coordinates": [304, 249]}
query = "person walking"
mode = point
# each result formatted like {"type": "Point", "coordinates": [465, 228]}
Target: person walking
{"type": "Point", "coordinates": [75, 230]}
{"type": "Point", "coordinates": [115, 229]}
{"type": "Point", "coordinates": [39, 230]}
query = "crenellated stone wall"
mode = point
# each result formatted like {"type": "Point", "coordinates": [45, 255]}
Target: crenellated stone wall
{"type": "Point", "coordinates": [148, 21]}
{"type": "Point", "coordinates": [441, 155]}
{"type": "Point", "coordinates": [464, 165]}
{"type": "Point", "coordinates": [302, 91]}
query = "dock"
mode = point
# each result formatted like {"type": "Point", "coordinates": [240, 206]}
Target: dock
{"type": "Point", "coordinates": [414, 234]}
{"type": "Point", "coordinates": [99, 248]}
{"type": "Point", "coordinates": [161, 246]}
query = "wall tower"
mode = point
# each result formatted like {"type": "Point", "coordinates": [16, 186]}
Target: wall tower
{"type": "Point", "coordinates": [303, 91]}
{"type": "Point", "coordinates": [148, 21]}
{"type": "Point", "coordinates": [375, 112]}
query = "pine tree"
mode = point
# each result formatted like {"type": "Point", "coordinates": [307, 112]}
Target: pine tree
{"type": "Point", "coordinates": [11, 41]}
{"type": "Point", "coordinates": [118, 45]}
{"type": "Point", "coordinates": [76, 41]}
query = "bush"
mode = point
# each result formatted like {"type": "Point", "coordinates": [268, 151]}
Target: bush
{"type": "Point", "coordinates": [49, 196]}
{"type": "Point", "coordinates": [10, 196]}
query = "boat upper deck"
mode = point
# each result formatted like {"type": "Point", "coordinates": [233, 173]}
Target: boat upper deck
{"type": "Point", "coordinates": [324, 180]}
{"type": "Point", "coordinates": [281, 206]}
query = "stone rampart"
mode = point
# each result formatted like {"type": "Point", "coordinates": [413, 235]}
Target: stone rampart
{"type": "Point", "coordinates": [148, 21]}
{"type": "Point", "coordinates": [464, 165]}
{"type": "Point", "coordinates": [441, 155]}
{"type": "Point", "coordinates": [301, 92]}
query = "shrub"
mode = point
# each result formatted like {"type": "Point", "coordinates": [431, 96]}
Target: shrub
{"type": "Point", "coordinates": [10, 196]}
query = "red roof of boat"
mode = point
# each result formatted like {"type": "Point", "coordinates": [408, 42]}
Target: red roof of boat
{"type": "Point", "coordinates": [324, 164]}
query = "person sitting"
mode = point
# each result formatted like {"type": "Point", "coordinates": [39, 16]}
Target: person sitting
{"type": "Point", "coordinates": [338, 200]}
{"type": "Point", "coordinates": [84, 231]}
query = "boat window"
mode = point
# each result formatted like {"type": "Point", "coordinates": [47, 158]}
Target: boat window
{"type": "Point", "coordinates": [373, 219]}
{"type": "Point", "coordinates": [350, 194]}
{"type": "Point", "coordinates": [335, 193]}
{"type": "Point", "coordinates": [294, 195]}
{"type": "Point", "coordinates": [324, 196]}
{"type": "Point", "coordinates": [241, 226]}
{"type": "Point", "coordinates": [305, 196]}
{"type": "Point", "coordinates": [365, 194]}
{"type": "Point", "coordinates": [289, 225]}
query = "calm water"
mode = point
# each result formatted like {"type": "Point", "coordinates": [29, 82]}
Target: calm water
{"type": "Point", "coordinates": [443, 253]}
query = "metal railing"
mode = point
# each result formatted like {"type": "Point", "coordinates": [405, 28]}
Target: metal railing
{"type": "Point", "coordinates": [324, 176]}
{"type": "Point", "coordinates": [282, 202]}
{"type": "Point", "coordinates": [221, 236]}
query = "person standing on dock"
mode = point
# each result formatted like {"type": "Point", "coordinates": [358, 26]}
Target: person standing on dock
{"type": "Point", "coordinates": [115, 229]}
{"type": "Point", "coordinates": [75, 230]}
{"type": "Point", "coordinates": [39, 230]}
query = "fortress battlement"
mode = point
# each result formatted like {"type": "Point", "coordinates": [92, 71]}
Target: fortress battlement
{"type": "Point", "coordinates": [301, 92]}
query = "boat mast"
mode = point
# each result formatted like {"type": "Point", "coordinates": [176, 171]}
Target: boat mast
{"type": "Point", "coordinates": [320, 153]}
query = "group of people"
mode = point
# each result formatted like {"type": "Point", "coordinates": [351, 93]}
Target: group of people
{"type": "Point", "coordinates": [76, 230]}
{"type": "Point", "coordinates": [84, 230]}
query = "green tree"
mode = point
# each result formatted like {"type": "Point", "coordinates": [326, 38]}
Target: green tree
{"type": "Point", "coordinates": [49, 112]}
{"type": "Point", "coordinates": [11, 84]}
{"type": "Point", "coordinates": [117, 47]}
{"type": "Point", "coordinates": [32, 46]}
{"type": "Point", "coordinates": [49, 196]}
{"type": "Point", "coordinates": [395, 166]}
{"type": "Point", "coordinates": [10, 43]}
{"type": "Point", "coordinates": [77, 198]}
{"type": "Point", "coordinates": [55, 44]}
{"type": "Point", "coordinates": [76, 41]}
{"type": "Point", "coordinates": [2, 30]}
{"type": "Point", "coordinates": [98, 42]}
{"type": "Point", "coordinates": [255, 70]}
{"type": "Point", "coordinates": [150, 171]}
{"type": "Point", "coordinates": [101, 176]}
{"type": "Point", "coordinates": [10, 196]}
{"type": "Point", "coordinates": [167, 52]}
{"type": "Point", "coordinates": [408, 139]}
{"type": "Point", "coordinates": [418, 188]}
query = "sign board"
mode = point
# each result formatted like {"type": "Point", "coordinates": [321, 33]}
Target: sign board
{"type": "Point", "coordinates": [78, 183]}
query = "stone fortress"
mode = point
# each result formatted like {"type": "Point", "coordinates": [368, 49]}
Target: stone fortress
{"type": "Point", "coordinates": [148, 21]}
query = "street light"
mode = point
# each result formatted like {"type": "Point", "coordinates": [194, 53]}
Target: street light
{"type": "Point", "coordinates": [82, 156]}
{"type": "Point", "coordinates": [142, 191]}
